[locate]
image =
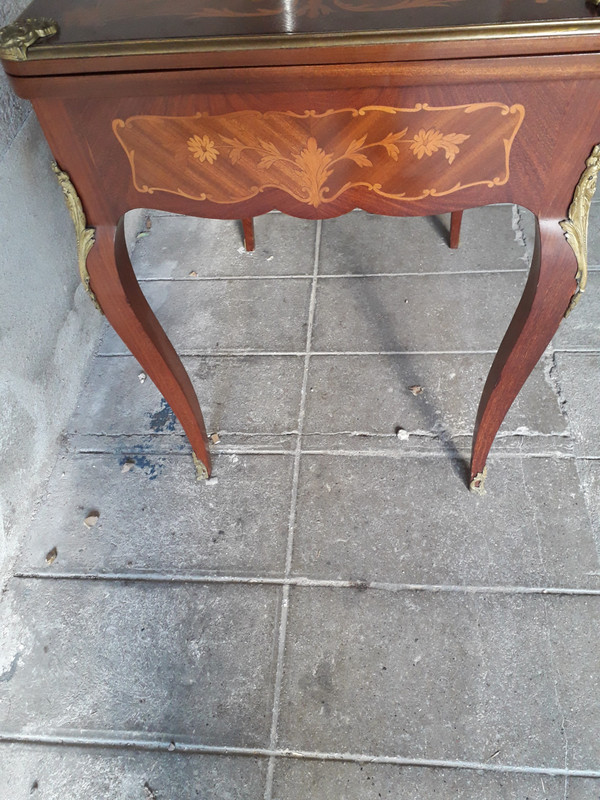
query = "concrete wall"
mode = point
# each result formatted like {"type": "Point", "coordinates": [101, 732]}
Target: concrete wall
{"type": "Point", "coordinates": [48, 327]}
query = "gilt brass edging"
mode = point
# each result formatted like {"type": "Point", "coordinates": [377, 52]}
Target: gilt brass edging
{"type": "Point", "coordinates": [19, 36]}
{"type": "Point", "coordinates": [85, 236]}
{"type": "Point", "coordinates": [204, 44]}
{"type": "Point", "coordinates": [575, 227]}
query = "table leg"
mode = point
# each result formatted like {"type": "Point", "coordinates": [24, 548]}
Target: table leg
{"type": "Point", "coordinates": [248, 226]}
{"type": "Point", "coordinates": [116, 288]}
{"type": "Point", "coordinates": [549, 289]}
{"type": "Point", "coordinates": [455, 223]}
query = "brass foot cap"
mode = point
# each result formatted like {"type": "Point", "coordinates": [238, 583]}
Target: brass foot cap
{"type": "Point", "coordinates": [477, 485]}
{"type": "Point", "coordinates": [201, 471]}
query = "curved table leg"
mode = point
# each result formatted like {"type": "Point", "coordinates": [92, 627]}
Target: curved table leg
{"type": "Point", "coordinates": [121, 299]}
{"type": "Point", "coordinates": [455, 223]}
{"type": "Point", "coordinates": [549, 289]}
{"type": "Point", "coordinates": [248, 227]}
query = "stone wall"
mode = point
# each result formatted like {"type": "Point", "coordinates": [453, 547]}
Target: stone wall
{"type": "Point", "coordinates": [48, 327]}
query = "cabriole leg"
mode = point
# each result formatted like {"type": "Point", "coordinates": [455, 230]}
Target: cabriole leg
{"type": "Point", "coordinates": [115, 286]}
{"type": "Point", "coordinates": [546, 297]}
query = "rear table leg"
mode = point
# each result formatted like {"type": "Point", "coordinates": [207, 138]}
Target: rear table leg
{"type": "Point", "coordinates": [248, 226]}
{"type": "Point", "coordinates": [455, 223]}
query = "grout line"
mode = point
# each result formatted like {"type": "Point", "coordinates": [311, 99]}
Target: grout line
{"type": "Point", "coordinates": [418, 433]}
{"type": "Point", "coordinates": [333, 276]}
{"type": "Point", "coordinates": [292, 520]}
{"type": "Point", "coordinates": [226, 451]}
{"type": "Point", "coordinates": [232, 353]}
{"type": "Point", "coordinates": [310, 583]}
{"type": "Point", "coordinates": [204, 278]}
{"type": "Point", "coordinates": [498, 455]}
{"type": "Point", "coordinates": [577, 350]}
{"type": "Point", "coordinates": [170, 745]}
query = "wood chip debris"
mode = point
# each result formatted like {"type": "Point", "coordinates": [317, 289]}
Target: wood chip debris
{"type": "Point", "coordinates": [128, 465]}
{"type": "Point", "coordinates": [193, 274]}
{"type": "Point", "coordinates": [51, 556]}
{"type": "Point", "coordinates": [149, 793]}
{"type": "Point", "coordinates": [91, 519]}
{"type": "Point", "coordinates": [415, 390]}
{"type": "Point", "coordinates": [215, 438]}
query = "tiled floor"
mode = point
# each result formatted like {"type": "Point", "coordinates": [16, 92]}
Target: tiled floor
{"type": "Point", "coordinates": [333, 616]}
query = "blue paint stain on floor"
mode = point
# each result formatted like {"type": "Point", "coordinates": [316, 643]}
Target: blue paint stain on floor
{"type": "Point", "coordinates": [141, 461]}
{"type": "Point", "coordinates": [163, 420]}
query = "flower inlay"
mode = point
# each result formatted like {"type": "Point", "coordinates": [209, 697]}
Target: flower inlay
{"type": "Point", "coordinates": [398, 153]}
{"type": "Point", "coordinates": [203, 148]}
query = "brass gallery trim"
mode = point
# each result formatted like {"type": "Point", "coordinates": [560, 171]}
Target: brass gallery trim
{"type": "Point", "coordinates": [17, 38]}
{"type": "Point", "coordinates": [137, 47]}
{"type": "Point", "coordinates": [576, 226]}
{"type": "Point", "coordinates": [85, 236]}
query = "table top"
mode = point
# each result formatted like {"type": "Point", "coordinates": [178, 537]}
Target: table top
{"type": "Point", "coordinates": [87, 21]}
{"type": "Point", "coordinates": [113, 28]}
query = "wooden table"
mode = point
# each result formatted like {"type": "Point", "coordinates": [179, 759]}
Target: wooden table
{"type": "Point", "coordinates": [231, 109]}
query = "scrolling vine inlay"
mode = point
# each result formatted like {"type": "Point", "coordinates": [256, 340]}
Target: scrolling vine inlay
{"type": "Point", "coordinates": [398, 153]}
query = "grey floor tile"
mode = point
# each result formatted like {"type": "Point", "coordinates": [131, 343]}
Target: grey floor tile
{"type": "Point", "coordinates": [176, 246]}
{"type": "Point", "coordinates": [93, 657]}
{"type": "Point", "coordinates": [158, 517]}
{"type": "Point", "coordinates": [373, 394]}
{"type": "Point", "coordinates": [205, 316]}
{"type": "Point", "coordinates": [584, 789]}
{"type": "Point", "coordinates": [411, 520]}
{"type": "Point", "coordinates": [253, 394]}
{"type": "Point", "coordinates": [594, 236]}
{"type": "Point", "coordinates": [426, 313]}
{"type": "Point", "coordinates": [363, 243]}
{"type": "Point", "coordinates": [575, 655]}
{"type": "Point", "coordinates": [581, 329]}
{"type": "Point", "coordinates": [435, 676]}
{"type": "Point", "coordinates": [578, 375]}
{"type": "Point", "coordinates": [589, 476]}
{"type": "Point", "coordinates": [314, 780]}
{"type": "Point", "coordinates": [60, 773]}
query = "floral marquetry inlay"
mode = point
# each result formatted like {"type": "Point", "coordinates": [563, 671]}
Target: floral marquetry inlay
{"type": "Point", "coordinates": [399, 153]}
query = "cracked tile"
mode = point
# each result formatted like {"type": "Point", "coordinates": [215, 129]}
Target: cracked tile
{"type": "Point", "coordinates": [441, 676]}
{"type": "Point", "coordinates": [158, 517]}
{"type": "Point", "coordinates": [425, 313]}
{"type": "Point", "coordinates": [142, 658]}
{"type": "Point", "coordinates": [373, 394]}
{"type": "Point", "coordinates": [299, 780]}
{"type": "Point", "coordinates": [412, 520]}
{"type": "Point", "coordinates": [248, 394]}
{"type": "Point", "coordinates": [177, 245]}
{"type": "Point", "coordinates": [56, 773]}
{"type": "Point", "coordinates": [364, 243]}
{"type": "Point", "coordinates": [233, 314]}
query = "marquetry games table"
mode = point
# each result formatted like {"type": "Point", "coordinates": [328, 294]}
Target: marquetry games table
{"type": "Point", "coordinates": [231, 108]}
